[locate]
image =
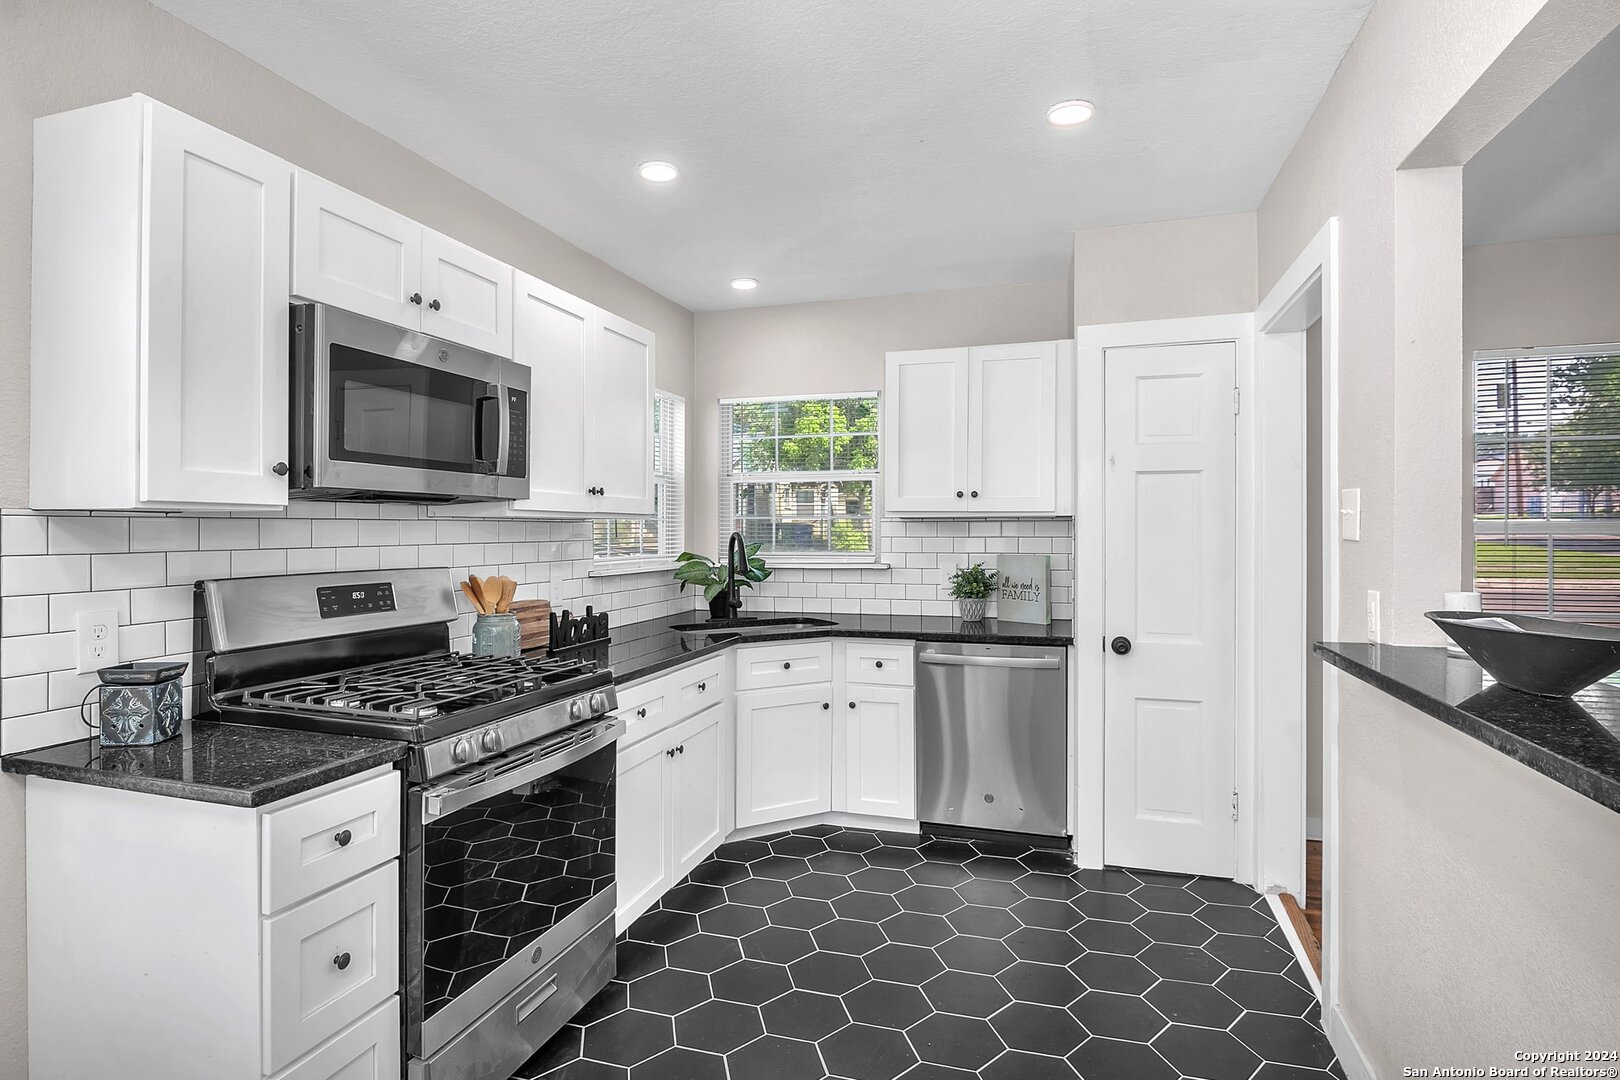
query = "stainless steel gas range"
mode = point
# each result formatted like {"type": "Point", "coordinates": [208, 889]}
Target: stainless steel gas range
{"type": "Point", "coordinates": [508, 875]}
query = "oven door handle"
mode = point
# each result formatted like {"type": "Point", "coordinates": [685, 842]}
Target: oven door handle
{"type": "Point", "coordinates": [452, 795]}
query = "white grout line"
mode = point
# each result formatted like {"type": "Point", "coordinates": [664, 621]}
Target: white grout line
{"type": "Point", "coordinates": [1274, 901]}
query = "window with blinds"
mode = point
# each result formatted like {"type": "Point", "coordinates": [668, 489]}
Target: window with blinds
{"type": "Point", "coordinates": [1547, 482]}
{"type": "Point", "coordinates": [798, 476]}
{"type": "Point", "coordinates": [663, 535]}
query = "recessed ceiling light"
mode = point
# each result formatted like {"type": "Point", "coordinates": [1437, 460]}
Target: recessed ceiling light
{"type": "Point", "coordinates": [1070, 113]}
{"type": "Point", "coordinates": [744, 283]}
{"type": "Point", "coordinates": [658, 172]}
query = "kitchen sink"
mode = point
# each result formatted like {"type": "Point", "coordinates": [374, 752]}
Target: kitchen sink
{"type": "Point", "coordinates": [745, 626]}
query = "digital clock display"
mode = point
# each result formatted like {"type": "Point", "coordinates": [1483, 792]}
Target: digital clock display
{"type": "Point", "coordinates": [337, 601]}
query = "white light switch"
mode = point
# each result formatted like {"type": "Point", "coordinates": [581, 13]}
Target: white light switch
{"type": "Point", "coordinates": [1350, 514]}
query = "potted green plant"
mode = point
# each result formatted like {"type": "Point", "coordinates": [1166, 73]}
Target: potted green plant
{"type": "Point", "coordinates": [706, 574]}
{"type": "Point", "coordinates": [972, 585]}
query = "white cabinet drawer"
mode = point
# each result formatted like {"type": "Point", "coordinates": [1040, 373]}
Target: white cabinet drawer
{"type": "Point", "coordinates": [328, 962]}
{"type": "Point", "coordinates": [367, 1050]}
{"type": "Point", "coordinates": [878, 663]}
{"type": "Point", "coordinates": [314, 844]}
{"type": "Point", "coordinates": [651, 705]}
{"type": "Point", "coordinates": [762, 667]}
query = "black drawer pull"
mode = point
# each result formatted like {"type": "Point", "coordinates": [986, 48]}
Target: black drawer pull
{"type": "Point", "coordinates": [826, 704]}
{"type": "Point", "coordinates": [343, 838]}
{"type": "Point", "coordinates": [702, 686]}
{"type": "Point", "coordinates": [852, 704]}
{"type": "Point", "coordinates": [341, 961]}
{"type": "Point", "coordinates": [786, 665]}
{"type": "Point", "coordinates": [641, 713]}
{"type": "Point", "coordinates": [878, 663]}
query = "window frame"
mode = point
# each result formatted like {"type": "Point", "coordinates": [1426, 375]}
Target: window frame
{"type": "Point", "coordinates": [727, 480]}
{"type": "Point", "coordinates": [1547, 527]}
{"type": "Point", "coordinates": [676, 477]}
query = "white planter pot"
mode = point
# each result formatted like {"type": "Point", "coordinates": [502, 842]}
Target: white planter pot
{"type": "Point", "coordinates": [972, 609]}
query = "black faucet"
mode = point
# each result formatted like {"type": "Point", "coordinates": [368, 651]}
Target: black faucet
{"type": "Point", "coordinates": [735, 546]}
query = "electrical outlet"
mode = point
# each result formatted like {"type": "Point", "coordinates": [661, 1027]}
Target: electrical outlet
{"type": "Point", "coordinates": [97, 640]}
{"type": "Point", "coordinates": [1374, 616]}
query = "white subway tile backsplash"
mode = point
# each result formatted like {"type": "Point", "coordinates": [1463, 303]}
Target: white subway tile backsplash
{"type": "Point", "coordinates": [88, 535]}
{"type": "Point", "coordinates": [340, 532]}
{"type": "Point", "coordinates": [358, 558]}
{"type": "Point", "coordinates": [24, 615]}
{"type": "Point", "coordinates": [258, 563]}
{"type": "Point", "coordinates": [186, 567]}
{"type": "Point", "coordinates": [23, 535]}
{"type": "Point", "coordinates": [65, 607]}
{"type": "Point", "coordinates": [311, 560]}
{"type": "Point", "coordinates": [378, 533]}
{"type": "Point", "coordinates": [34, 653]}
{"type": "Point", "coordinates": [284, 533]}
{"type": "Point", "coordinates": [215, 533]}
{"type": "Point", "coordinates": [24, 575]}
{"type": "Point", "coordinates": [133, 571]}
{"type": "Point", "coordinates": [161, 605]}
{"type": "Point", "coordinates": [23, 694]}
{"type": "Point", "coordinates": [163, 534]}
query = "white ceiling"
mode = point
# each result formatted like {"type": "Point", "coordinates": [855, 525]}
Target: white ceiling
{"type": "Point", "coordinates": [830, 148]}
{"type": "Point", "coordinates": [1555, 170]}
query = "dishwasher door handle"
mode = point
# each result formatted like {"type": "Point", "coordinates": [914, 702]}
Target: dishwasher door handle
{"type": "Point", "coordinates": [1044, 663]}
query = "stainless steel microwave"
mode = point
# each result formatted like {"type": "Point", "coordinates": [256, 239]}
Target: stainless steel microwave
{"type": "Point", "coordinates": [379, 412]}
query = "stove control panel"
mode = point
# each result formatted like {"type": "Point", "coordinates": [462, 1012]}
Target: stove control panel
{"type": "Point", "coordinates": [337, 601]}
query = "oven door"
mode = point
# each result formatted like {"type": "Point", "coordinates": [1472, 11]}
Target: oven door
{"type": "Point", "coordinates": [389, 411]}
{"type": "Point", "coordinates": [508, 865]}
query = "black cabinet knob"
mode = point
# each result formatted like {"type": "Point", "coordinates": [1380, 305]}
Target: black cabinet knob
{"type": "Point", "coordinates": [826, 704]}
{"type": "Point", "coordinates": [279, 468]}
{"type": "Point", "coordinates": [852, 704]}
{"type": "Point", "coordinates": [670, 752]}
{"type": "Point", "coordinates": [415, 298]}
{"type": "Point", "coordinates": [975, 494]}
{"type": "Point", "coordinates": [958, 494]}
{"type": "Point", "coordinates": [1120, 645]}
{"type": "Point", "coordinates": [434, 304]}
{"type": "Point", "coordinates": [878, 664]}
{"type": "Point", "coordinates": [341, 961]}
{"type": "Point", "coordinates": [786, 665]}
{"type": "Point", "coordinates": [641, 714]}
{"type": "Point", "coordinates": [343, 838]}
{"type": "Point", "coordinates": [681, 749]}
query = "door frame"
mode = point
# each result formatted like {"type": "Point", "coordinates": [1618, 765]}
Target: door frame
{"type": "Point", "coordinates": [1089, 670]}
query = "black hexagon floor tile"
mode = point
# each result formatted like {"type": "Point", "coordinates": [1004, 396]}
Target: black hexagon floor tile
{"type": "Point", "coordinates": [862, 955]}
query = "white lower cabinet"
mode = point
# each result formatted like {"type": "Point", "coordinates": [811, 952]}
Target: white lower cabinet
{"type": "Point", "coordinates": [784, 752]}
{"type": "Point", "coordinates": [671, 807]}
{"type": "Point", "coordinates": [144, 913]}
{"type": "Point", "coordinates": [879, 751]}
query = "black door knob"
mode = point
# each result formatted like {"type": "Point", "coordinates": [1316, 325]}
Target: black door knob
{"type": "Point", "coordinates": [434, 304]}
{"type": "Point", "coordinates": [1121, 645]}
{"type": "Point", "coordinates": [415, 298]}
{"type": "Point", "coordinates": [340, 961]}
{"type": "Point", "coordinates": [343, 838]}
{"type": "Point", "coordinates": [279, 468]}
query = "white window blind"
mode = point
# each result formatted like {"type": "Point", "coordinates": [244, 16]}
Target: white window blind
{"type": "Point", "coordinates": [1547, 482]}
{"type": "Point", "coordinates": [798, 476]}
{"type": "Point", "coordinates": [664, 534]}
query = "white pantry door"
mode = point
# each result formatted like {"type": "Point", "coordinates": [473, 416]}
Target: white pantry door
{"type": "Point", "coordinates": [1171, 565]}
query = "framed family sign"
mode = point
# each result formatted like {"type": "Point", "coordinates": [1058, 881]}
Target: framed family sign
{"type": "Point", "coordinates": [1023, 589]}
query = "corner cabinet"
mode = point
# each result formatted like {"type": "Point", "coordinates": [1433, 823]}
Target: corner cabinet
{"type": "Point", "coordinates": [161, 251]}
{"type": "Point", "coordinates": [355, 254]}
{"type": "Point", "coordinates": [980, 431]}
{"type": "Point", "coordinates": [590, 435]}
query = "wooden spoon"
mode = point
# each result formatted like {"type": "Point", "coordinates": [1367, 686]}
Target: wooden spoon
{"type": "Point", "coordinates": [484, 605]}
{"type": "Point", "coordinates": [508, 591]}
{"type": "Point", "coordinates": [477, 601]}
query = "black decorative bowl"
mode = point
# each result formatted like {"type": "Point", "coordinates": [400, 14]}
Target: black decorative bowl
{"type": "Point", "coordinates": [1546, 657]}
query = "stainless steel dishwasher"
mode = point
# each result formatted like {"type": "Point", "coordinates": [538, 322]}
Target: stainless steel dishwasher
{"type": "Point", "coordinates": [992, 737]}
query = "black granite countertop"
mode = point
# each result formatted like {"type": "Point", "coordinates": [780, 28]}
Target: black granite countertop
{"type": "Point", "coordinates": [646, 648]}
{"type": "Point", "coordinates": [233, 764]}
{"type": "Point", "coordinates": [1575, 741]}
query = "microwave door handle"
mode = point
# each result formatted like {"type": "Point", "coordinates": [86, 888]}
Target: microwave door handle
{"type": "Point", "coordinates": [487, 429]}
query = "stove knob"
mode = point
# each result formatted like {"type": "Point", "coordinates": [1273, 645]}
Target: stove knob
{"type": "Point", "coordinates": [576, 709]}
{"type": "Point", "coordinates": [461, 751]}
{"type": "Point", "coordinates": [490, 741]}
{"type": "Point", "coordinates": [599, 704]}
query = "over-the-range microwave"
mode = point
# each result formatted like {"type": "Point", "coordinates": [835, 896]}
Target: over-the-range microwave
{"type": "Point", "coordinates": [380, 412]}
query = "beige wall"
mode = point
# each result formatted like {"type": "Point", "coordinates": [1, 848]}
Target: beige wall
{"type": "Point", "coordinates": [1541, 292]}
{"type": "Point", "coordinates": [62, 54]}
{"type": "Point", "coordinates": [1446, 951]}
{"type": "Point", "coordinates": [838, 347]}
{"type": "Point", "coordinates": [1478, 911]}
{"type": "Point", "coordinates": [1165, 270]}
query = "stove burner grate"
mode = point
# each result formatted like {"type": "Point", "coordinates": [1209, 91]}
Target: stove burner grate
{"type": "Point", "coordinates": [415, 689]}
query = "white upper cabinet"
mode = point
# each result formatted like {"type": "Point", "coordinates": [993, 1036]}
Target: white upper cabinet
{"type": "Point", "coordinates": [466, 295]}
{"type": "Point", "coordinates": [620, 418]}
{"type": "Point", "coordinates": [355, 254]}
{"type": "Point", "coordinates": [590, 435]}
{"type": "Point", "coordinates": [926, 452]}
{"type": "Point", "coordinates": [553, 334]}
{"type": "Point", "coordinates": [983, 431]}
{"type": "Point", "coordinates": [161, 277]}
